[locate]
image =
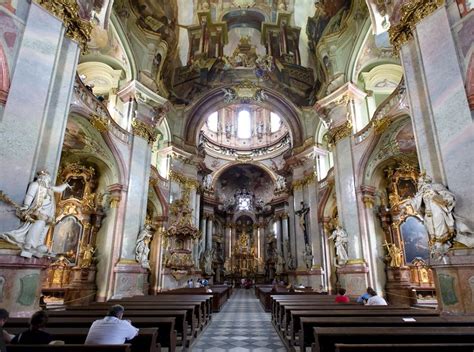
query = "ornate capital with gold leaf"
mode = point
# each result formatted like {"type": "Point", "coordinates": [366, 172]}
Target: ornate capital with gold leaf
{"type": "Point", "coordinates": [412, 12]}
{"type": "Point", "coordinates": [67, 11]}
{"type": "Point", "coordinates": [143, 130]}
{"type": "Point", "coordinates": [337, 133]}
{"type": "Point", "coordinates": [298, 184]}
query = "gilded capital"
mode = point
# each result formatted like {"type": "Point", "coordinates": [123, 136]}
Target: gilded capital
{"type": "Point", "coordinates": [412, 12]}
{"type": "Point", "coordinates": [100, 123]}
{"type": "Point", "coordinates": [340, 132]}
{"type": "Point", "coordinates": [299, 184]}
{"type": "Point", "coordinates": [67, 11]}
{"type": "Point", "coordinates": [143, 130]}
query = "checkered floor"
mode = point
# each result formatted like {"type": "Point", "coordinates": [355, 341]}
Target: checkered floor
{"type": "Point", "coordinates": [241, 326]}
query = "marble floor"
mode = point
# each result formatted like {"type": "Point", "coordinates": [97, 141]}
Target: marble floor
{"type": "Point", "coordinates": [241, 326]}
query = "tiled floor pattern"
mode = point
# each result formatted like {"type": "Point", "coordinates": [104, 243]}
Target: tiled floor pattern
{"type": "Point", "coordinates": [241, 326]}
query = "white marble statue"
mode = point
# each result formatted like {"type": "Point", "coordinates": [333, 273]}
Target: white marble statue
{"type": "Point", "coordinates": [280, 183]}
{"type": "Point", "coordinates": [340, 238]}
{"type": "Point", "coordinates": [38, 213]}
{"type": "Point", "coordinates": [280, 264]}
{"type": "Point", "coordinates": [207, 182]}
{"type": "Point", "coordinates": [208, 256]}
{"type": "Point", "coordinates": [308, 256]}
{"type": "Point", "coordinates": [142, 248]}
{"type": "Point", "coordinates": [436, 204]}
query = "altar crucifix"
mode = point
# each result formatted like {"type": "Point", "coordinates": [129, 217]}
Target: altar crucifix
{"type": "Point", "coordinates": [303, 224]}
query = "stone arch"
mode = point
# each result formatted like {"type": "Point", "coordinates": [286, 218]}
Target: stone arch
{"type": "Point", "coordinates": [228, 166]}
{"type": "Point", "coordinates": [214, 100]}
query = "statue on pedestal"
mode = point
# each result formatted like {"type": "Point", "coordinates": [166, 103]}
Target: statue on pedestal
{"type": "Point", "coordinates": [340, 238]}
{"type": "Point", "coordinates": [208, 256]}
{"type": "Point", "coordinates": [436, 204]}
{"type": "Point", "coordinates": [394, 254]}
{"type": "Point", "coordinates": [87, 256]}
{"type": "Point", "coordinates": [37, 213]}
{"type": "Point", "coordinates": [142, 248]}
{"type": "Point", "coordinates": [280, 264]}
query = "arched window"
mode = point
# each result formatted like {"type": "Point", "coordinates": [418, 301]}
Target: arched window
{"type": "Point", "coordinates": [212, 122]}
{"type": "Point", "coordinates": [244, 128]}
{"type": "Point", "coordinates": [275, 122]}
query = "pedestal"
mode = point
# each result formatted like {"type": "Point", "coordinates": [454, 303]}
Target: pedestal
{"type": "Point", "coordinates": [353, 277]}
{"type": "Point", "coordinates": [312, 278]}
{"type": "Point", "coordinates": [398, 286]}
{"type": "Point", "coordinates": [130, 280]}
{"type": "Point", "coordinates": [454, 281]}
{"type": "Point", "coordinates": [82, 289]}
{"type": "Point", "coordinates": [20, 282]}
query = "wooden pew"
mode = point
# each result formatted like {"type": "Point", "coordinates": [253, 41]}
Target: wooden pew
{"type": "Point", "coordinates": [131, 313]}
{"type": "Point", "coordinates": [306, 336]}
{"type": "Point", "coordinates": [294, 326]}
{"type": "Point", "coordinates": [166, 325]}
{"type": "Point", "coordinates": [68, 348]}
{"type": "Point", "coordinates": [326, 338]}
{"type": "Point", "coordinates": [418, 347]}
{"type": "Point", "coordinates": [145, 341]}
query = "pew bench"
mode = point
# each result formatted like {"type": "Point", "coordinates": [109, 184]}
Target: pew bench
{"type": "Point", "coordinates": [326, 338]}
{"type": "Point", "coordinates": [68, 348]}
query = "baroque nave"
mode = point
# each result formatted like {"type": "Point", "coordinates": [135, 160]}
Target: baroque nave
{"type": "Point", "coordinates": [253, 147]}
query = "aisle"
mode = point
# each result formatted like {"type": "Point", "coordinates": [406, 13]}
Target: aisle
{"type": "Point", "coordinates": [240, 327]}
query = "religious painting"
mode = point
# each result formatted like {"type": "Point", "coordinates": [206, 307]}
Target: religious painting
{"type": "Point", "coordinates": [66, 236]}
{"type": "Point", "coordinates": [406, 188]}
{"type": "Point", "coordinates": [78, 185]}
{"type": "Point", "coordinates": [415, 239]}
{"type": "Point", "coordinates": [328, 18]}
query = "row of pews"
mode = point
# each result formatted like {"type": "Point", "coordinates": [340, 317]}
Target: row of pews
{"type": "Point", "coordinates": [170, 320]}
{"type": "Point", "coordinates": [315, 322]}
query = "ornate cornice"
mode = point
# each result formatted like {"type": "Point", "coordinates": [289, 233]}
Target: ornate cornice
{"type": "Point", "coordinates": [412, 12]}
{"type": "Point", "coordinates": [186, 182]}
{"type": "Point", "coordinates": [298, 184]}
{"type": "Point", "coordinates": [335, 134]}
{"type": "Point", "coordinates": [143, 130]}
{"type": "Point", "coordinates": [67, 11]}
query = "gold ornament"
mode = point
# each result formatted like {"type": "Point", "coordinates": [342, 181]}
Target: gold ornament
{"type": "Point", "coordinates": [335, 134]}
{"type": "Point", "coordinates": [412, 13]}
{"type": "Point", "coordinates": [145, 131]}
{"type": "Point", "coordinates": [67, 11]}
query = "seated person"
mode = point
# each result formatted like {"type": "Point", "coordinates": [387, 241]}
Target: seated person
{"type": "Point", "coordinates": [5, 337]}
{"type": "Point", "coordinates": [341, 296]}
{"type": "Point", "coordinates": [375, 300]}
{"type": "Point", "coordinates": [35, 334]}
{"type": "Point", "coordinates": [111, 330]}
{"type": "Point", "coordinates": [362, 299]}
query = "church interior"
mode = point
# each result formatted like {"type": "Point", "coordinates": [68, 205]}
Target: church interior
{"type": "Point", "coordinates": [240, 161]}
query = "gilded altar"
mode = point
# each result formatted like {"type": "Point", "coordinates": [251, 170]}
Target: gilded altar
{"type": "Point", "coordinates": [409, 276]}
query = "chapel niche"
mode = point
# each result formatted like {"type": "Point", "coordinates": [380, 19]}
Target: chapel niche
{"type": "Point", "coordinates": [72, 239]}
{"type": "Point", "coordinates": [409, 276]}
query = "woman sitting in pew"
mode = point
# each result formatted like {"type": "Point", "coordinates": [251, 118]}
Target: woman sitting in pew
{"type": "Point", "coordinates": [375, 300]}
{"type": "Point", "coordinates": [341, 296]}
{"type": "Point", "coordinates": [35, 334]}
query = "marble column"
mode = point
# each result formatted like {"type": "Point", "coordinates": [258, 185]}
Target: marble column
{"type": "Point", "coordinates": [441, 116]}
{"type": "Point", "coordinates": [278, 234]}
{"type": "Point", "coordinates": [299, 234]}
{"type": "Point", "coordinates": [285, 234]}
{"type": "Point", "coordinates": [444, 133]}
{"type": "Point", "coordinates": [202, 240]}
{"type": "Point", "coordinates": [210, 228]}
{"type": "Point", "coordinates": [227, 241]}
{"type": "Point", "coordinates": [35, 115]}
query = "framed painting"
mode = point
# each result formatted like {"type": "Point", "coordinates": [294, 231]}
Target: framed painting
{"type": "Point", "coordinates": [415, 239]}
{"type": "Point", "coordinates": [66, 237]}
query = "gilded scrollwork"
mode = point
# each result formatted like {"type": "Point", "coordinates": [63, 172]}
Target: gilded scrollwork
{"type": "Point", "coordinates": [412, 13]}
{"type": "Point", "coordinates": [337, 133]}
{"type": "Point", "coordinates": [145, 131]}
{"type": "Point", "coordinates": [67, 11]}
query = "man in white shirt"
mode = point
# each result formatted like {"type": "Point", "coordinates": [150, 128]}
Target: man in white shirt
{"type": "Point", "coordinates": [374, 299]}
{"type": "Point", "coordinates": [111, 330]}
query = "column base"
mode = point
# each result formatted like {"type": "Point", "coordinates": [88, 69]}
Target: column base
{"type": "Point", "coordinates": [398, 286]}
{"type": "Point", "coordinates": [20, 282]}
{"type": "Point", "coordinates": [453, 275]}
{"type": "Point", "coordinates": [130, 280]}
{"type": "Point", "coordinates": [82, 289]}
{"type": "Point", "coordinates": [353, 277]}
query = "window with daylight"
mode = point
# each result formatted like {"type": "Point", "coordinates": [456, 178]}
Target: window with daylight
{"type": "Point", "coordinates": [244, 128]}
{"type": "Point", "coordinates": [244, 203]}
{"type": "Point", "coordinates": [275, 122]}
{"type": "Point", "coordinates": [212, 122]}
